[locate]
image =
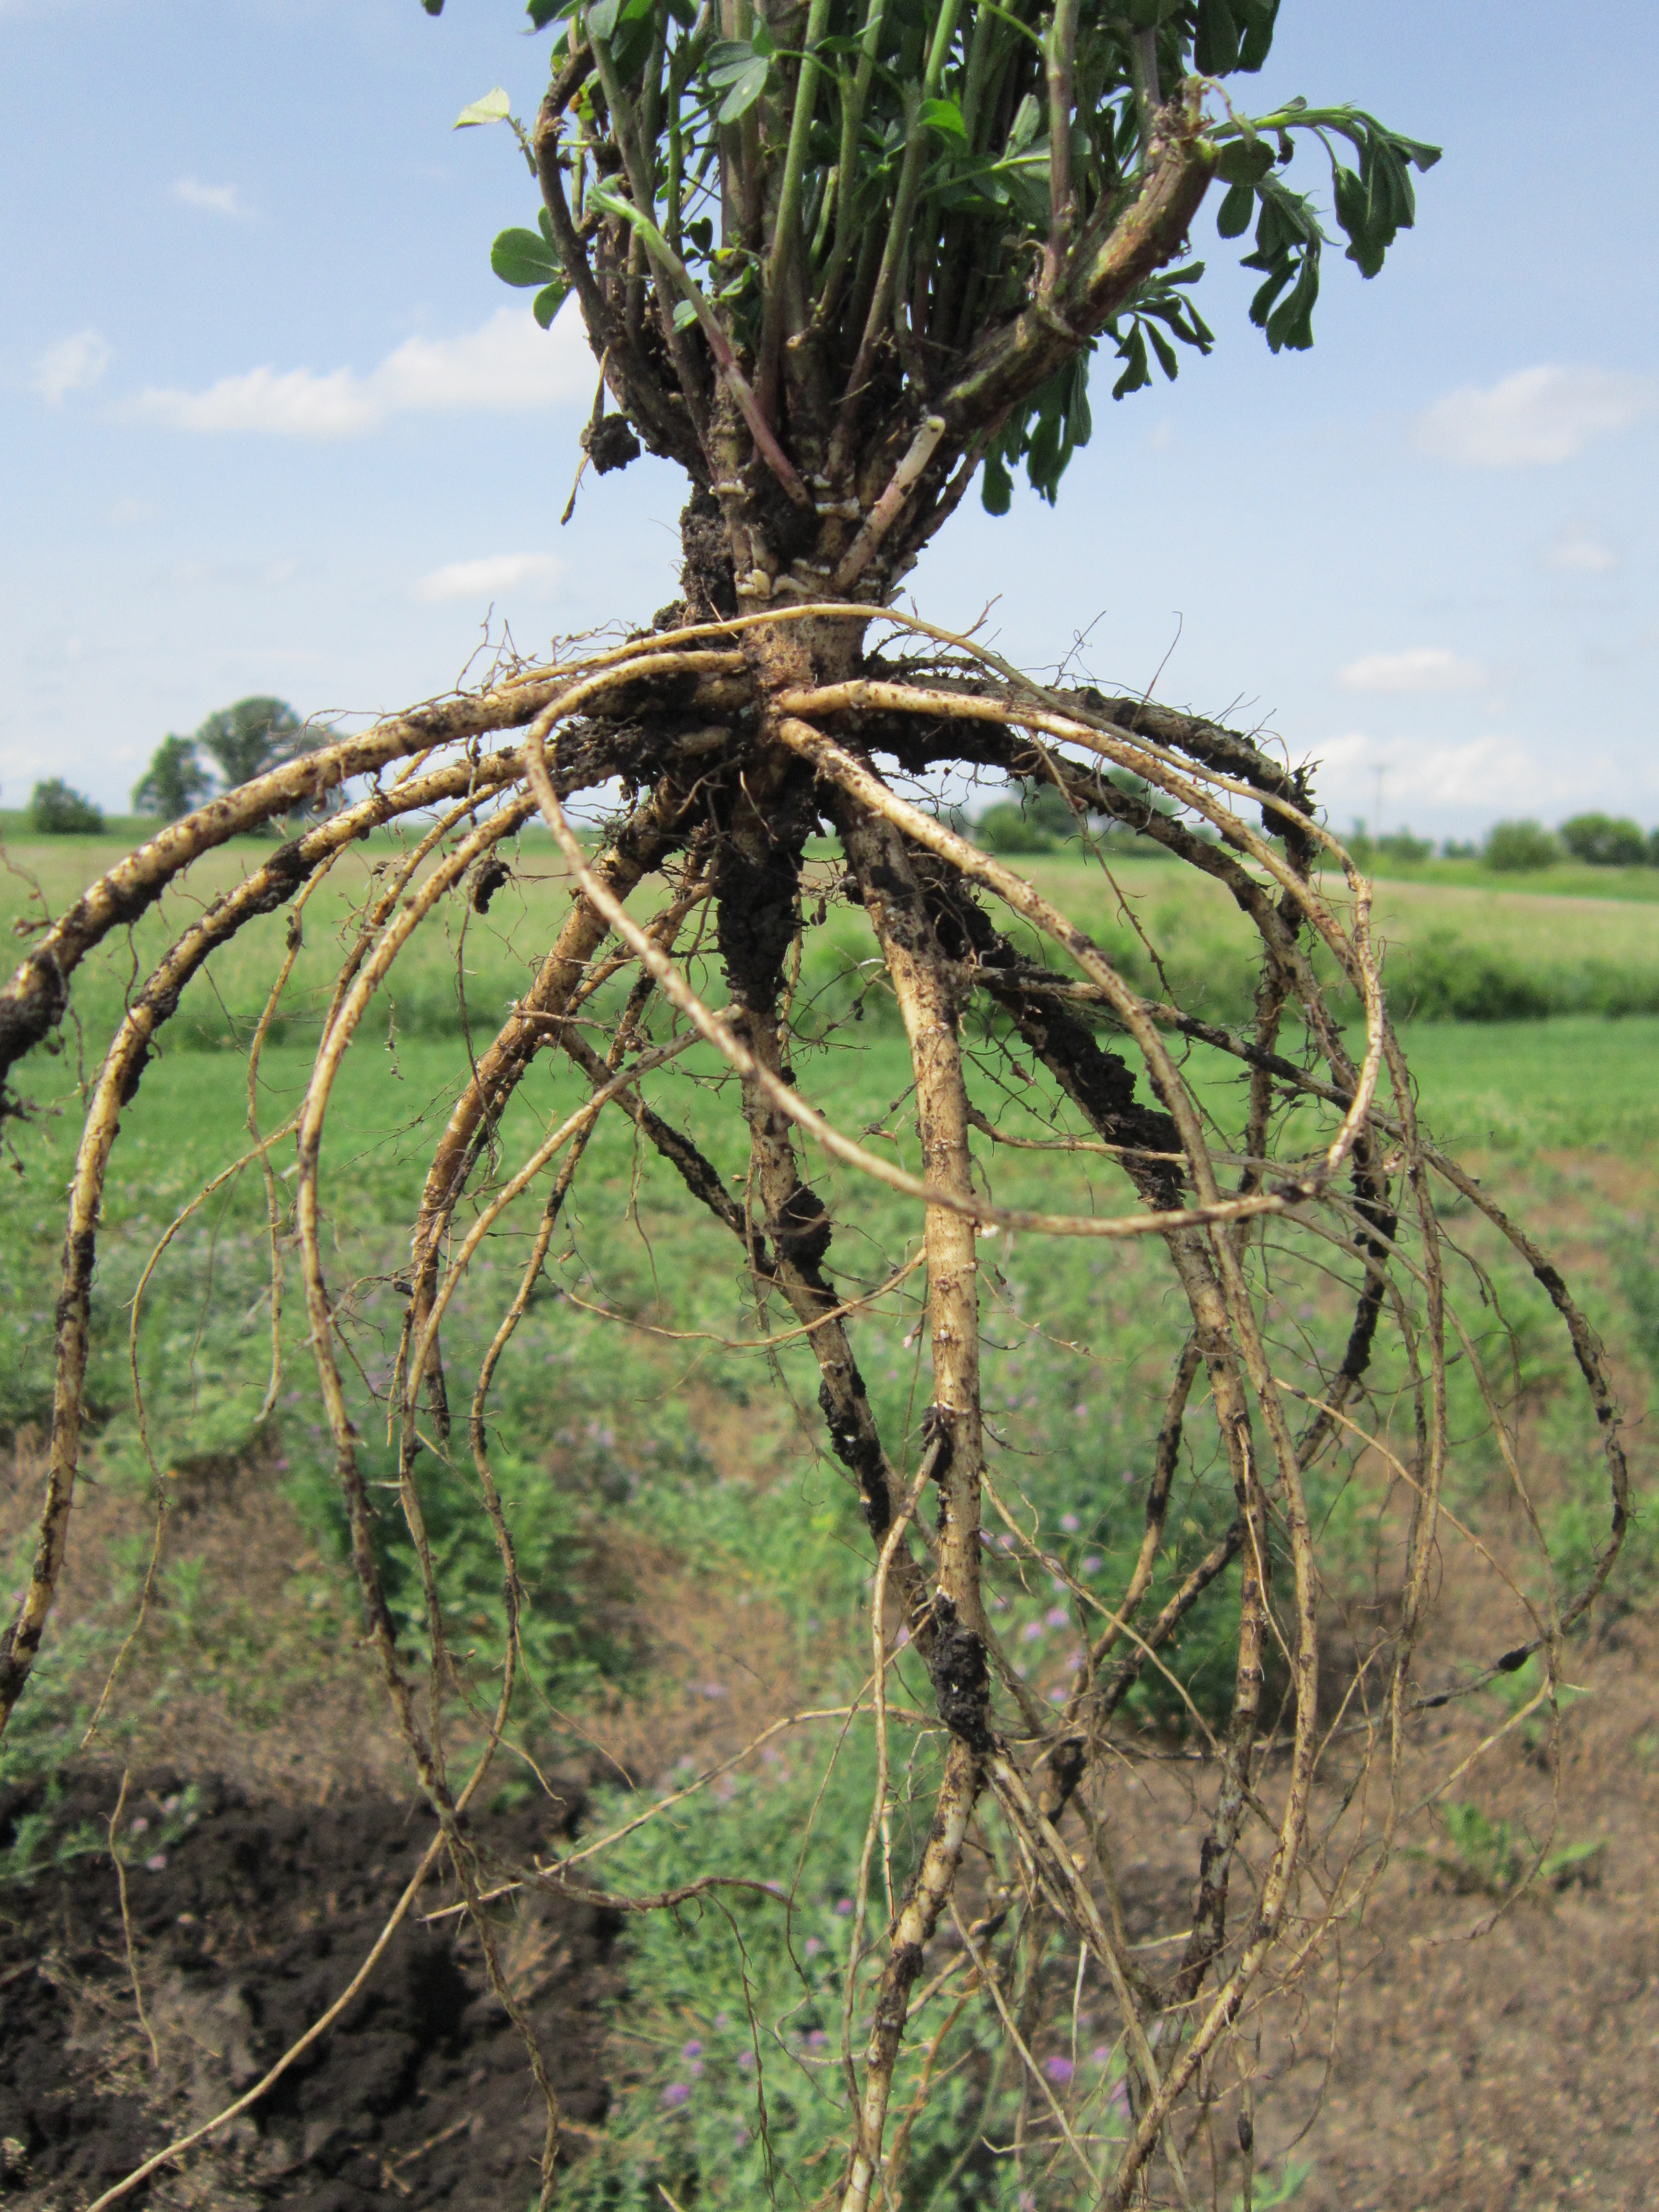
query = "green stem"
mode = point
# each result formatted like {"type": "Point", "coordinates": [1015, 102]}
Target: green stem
{"type": "Point", "coordinates": [1143, 70]}
{"type": "Point", "coordinates": [851, 123]}
{"type": "Point", "coordinates": [670, 264]}
{"type": "Point", "coordinates": [1059, 52]}
{"type": "Point", "coordinates": [624, 126]}
{"type": "Point", "coordinates": [898, 233]}
{"type": "Point", "coordinates": [787, 228]}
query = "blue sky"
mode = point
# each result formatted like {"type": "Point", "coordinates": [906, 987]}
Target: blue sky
{"type": "Point", "coordinates": [271, 424]}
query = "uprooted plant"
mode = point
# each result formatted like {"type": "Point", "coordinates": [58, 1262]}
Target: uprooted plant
{"type": "Point", "coordinates": [836, 261]}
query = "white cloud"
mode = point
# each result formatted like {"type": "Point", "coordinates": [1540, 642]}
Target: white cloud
{"type": "Point", "coordinates": [72, 365]}
{"type": "Point", "coordinates": [295, 403]}
{"type": "Point", "coordinates": [538, 573]}
{"type": "Point", "coordinates": [1493, 773]}
{"type": "Point", "coordinates": [509, 365]}
{"type": "Point", "coordinates": [1419, 670]}
{"type": "Point", "coordinates": [212, 199]}
{"type": "Point", "coordinates": [1487, 771]}
{"type": "Point", "coordinates": [1581, 553]}
{"type": "Point", "coordinates": [1536, 416]}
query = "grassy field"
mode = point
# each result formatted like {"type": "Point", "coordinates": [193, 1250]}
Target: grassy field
{"type": "Point", "coordinates": [1452, 951]}
{"type": "Point", "coordinates": [635, 1257]}
{"type": "Point", "coordinates": [655, 1475]}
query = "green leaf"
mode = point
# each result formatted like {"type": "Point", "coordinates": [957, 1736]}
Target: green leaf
{"type": "Point", "coordinates": [547, 302]}
{"type": "Point", "coordinates": [1215, 49]}
{"type": "Point", "coordinates": [1244, 162]}
{"type": "Point", "coordinates": [1233, 217]}
{"type": "Point", "coordinates": [543, 12]}
{"type": "Point", "coordinates": [1370, 240]}
{"type": "Point", "coordinates": [944, 117]}
{"type": "Point", "coordinates": [996, 489]}
{"type": "Point", "coordinates": [727, 59]}
{"type": "Point", "coordinates": [602, 18]}
{"type": "Point", "coordinates": [494, 107]}
{"type": "Point", "coordinates": [1291, 323]}
{"type": "Point", "coordinates": [525, 257]}
{"type": "Point", "coordinates": [1027, 116]}
{"type": "Point", "coordinates": [739, 69]}
{"type": "Point", "coordinates": [745, 91]}
{"type": "Point", "coordinates": [1136, 373]}
{"type": "Point", "coordinates": [684, 315]}
{"type": "Point", "coordinates": [1258, 18]}
{"type": "Point", "coordinates": [1164, 350]}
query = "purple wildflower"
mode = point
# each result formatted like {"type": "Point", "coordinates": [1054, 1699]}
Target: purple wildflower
{"type": "Point", "coordinates": [676, 2095]}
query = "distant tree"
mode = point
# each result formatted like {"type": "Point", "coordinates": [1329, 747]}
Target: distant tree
{"type": "Point", "coordinates": [1514, 847]}
{"type": "Point", "coordinates": [1008, 827]}
{"type": "Point", "coordinates": [244, 740]}
{"type": "Point", "coordinates": [1035, 819]}
{"type": "Point", "coordinates": [1401, 845]}
{"type": "Point", "coordinates": [1455, 849]}
{"type": "Point", "coordinates": [1397, 845]}
{"type": "Point", "coordinates": [58, 811]}
{"type": "Point", "coordinates": [1605, 841]}
{"type": "Point", "coordinates": [176, 780]}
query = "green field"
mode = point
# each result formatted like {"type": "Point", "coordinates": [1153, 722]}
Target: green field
{"type": "Point", "coordinates": [1451, 951]}
{"type": "Point", "coordinates": [636, 1415]}
{"type": "Point", "coordinates": [1516, 1094]}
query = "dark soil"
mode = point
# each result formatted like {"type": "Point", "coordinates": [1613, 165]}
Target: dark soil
{"type": "Point", "coordinates": [248, 1917]}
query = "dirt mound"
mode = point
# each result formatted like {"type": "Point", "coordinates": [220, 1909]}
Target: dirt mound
{"type": "Point", "coordinates": [248, 1917]}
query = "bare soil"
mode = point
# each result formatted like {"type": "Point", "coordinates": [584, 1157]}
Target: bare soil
{"type": "Point", "coordinates": [1472, 2047]}
{"type": "Point", "coordinates": [246, 1924]}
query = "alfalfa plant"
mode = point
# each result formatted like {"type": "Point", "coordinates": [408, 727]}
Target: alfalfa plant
{"type": "Point", "coordinates": [841, 262]}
